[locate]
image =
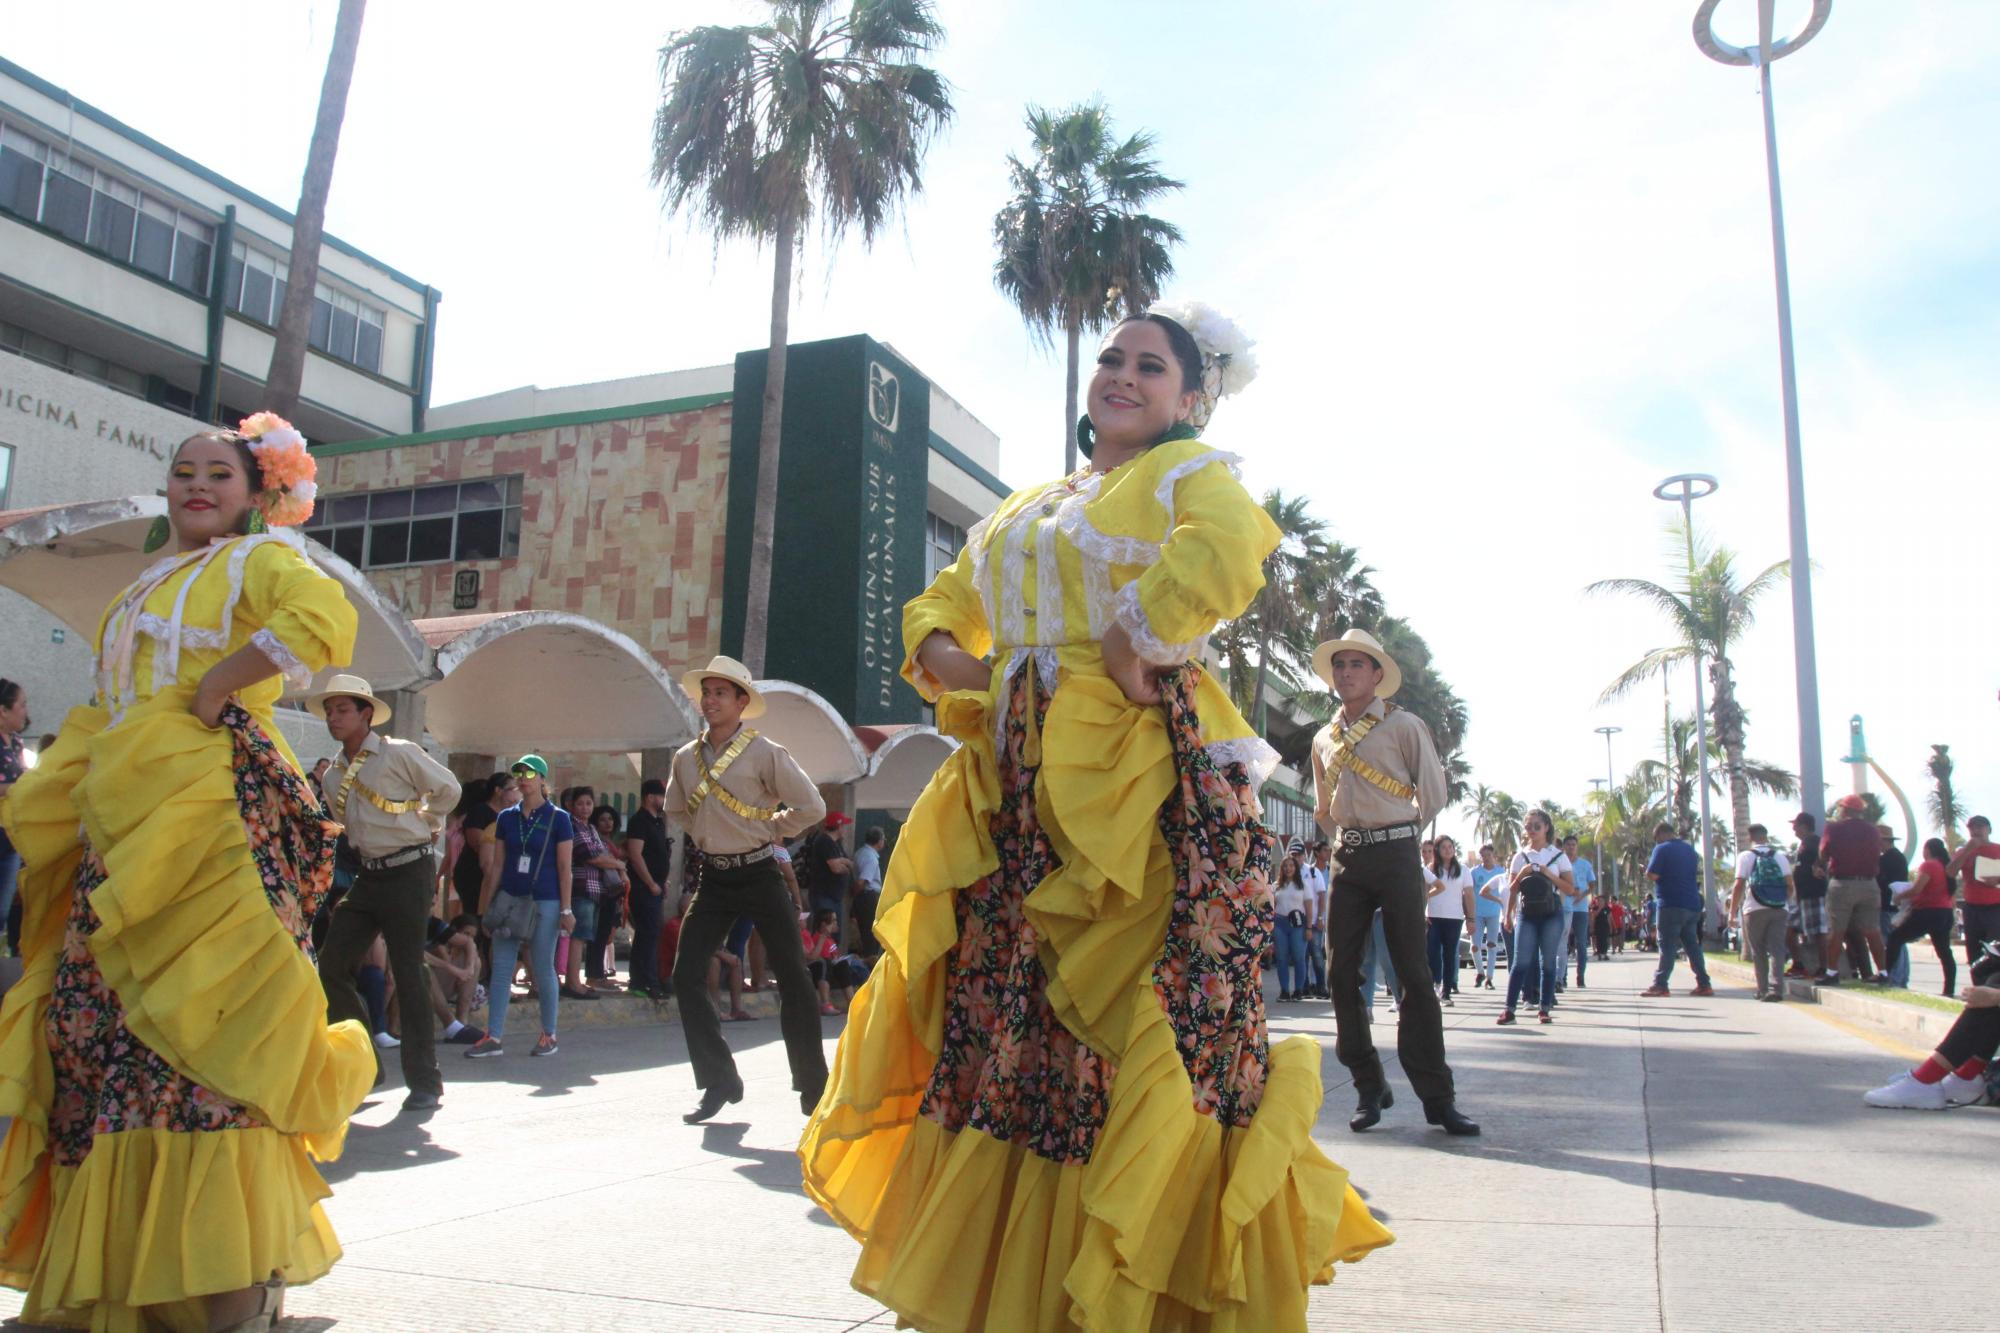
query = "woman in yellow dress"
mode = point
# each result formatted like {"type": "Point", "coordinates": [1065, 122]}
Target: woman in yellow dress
{"type": "Point", "coordinates": [1055, 1104]}
{"type": "Point", "coordinates": [165, 1057]}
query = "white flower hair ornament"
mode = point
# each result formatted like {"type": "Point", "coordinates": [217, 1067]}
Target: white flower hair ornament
{"type": "Point", "coordinates": [1227, 362]}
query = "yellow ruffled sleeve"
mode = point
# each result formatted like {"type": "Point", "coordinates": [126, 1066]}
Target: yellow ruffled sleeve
{"type": "Point", "coordinates": [304, 621]}
{"type": "Point", "coordinates": [951, 604]}
{"type": "Point", "coordinates": [1210, 566]}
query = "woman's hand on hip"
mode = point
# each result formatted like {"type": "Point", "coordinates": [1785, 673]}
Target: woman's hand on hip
{"type": "Point", "coordinates": [209, 701]}
{"type": "Point", "coordinates": [1138, 678]}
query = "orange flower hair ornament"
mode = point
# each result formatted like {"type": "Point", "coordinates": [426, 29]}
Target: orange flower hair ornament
{"type": "Point", "coordinates": [288, 471]}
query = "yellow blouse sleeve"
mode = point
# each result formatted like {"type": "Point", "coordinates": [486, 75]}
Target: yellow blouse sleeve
{"type": "Point", "coordinates": [1210, 567]}
{"type": "Point", "coordinates": [303, 618]}
{"type": "Point", "coordinates": [951, 604]}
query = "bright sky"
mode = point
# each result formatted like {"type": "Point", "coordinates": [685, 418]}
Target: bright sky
{"type": "Point", "coordinates": [1508, 264]}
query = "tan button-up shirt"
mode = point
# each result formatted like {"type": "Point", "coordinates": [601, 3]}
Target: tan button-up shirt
{"type": "Point", "coordinates": [389, 773]}
{"type": "Point", "coordinates": [1400, 746]}
{"type": "Point", "coordinates": [763, 777]}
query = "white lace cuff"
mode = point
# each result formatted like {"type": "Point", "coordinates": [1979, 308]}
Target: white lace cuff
{"type": "Point", "coordinates": [1144, 642]}
{"type": "Point", "coordinates": [296, 673]}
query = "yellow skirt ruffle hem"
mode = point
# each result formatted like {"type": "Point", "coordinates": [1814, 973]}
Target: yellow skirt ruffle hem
{"type": "Point", "coordinates": [148, 1221]}
{"type": "Point", "coordinates": [1176, 1220]}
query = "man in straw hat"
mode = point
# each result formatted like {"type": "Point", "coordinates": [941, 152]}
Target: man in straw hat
{"type": "Point", "coordinates": [1376, 782]}
{"type": "Point", "coordinates": [738, 793]}
{"type": "Point", "coordinates": [393, 798]}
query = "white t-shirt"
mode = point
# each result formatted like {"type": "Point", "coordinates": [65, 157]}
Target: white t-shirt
{"type": "Point", "coordinates": [1316, 888]}
{"type": "Point", "coordinates": [1289, 898]}
{"type": "Point", "coordinates": [1449, 904]}
{"type": "Point", "coordinates": [1550, 858]}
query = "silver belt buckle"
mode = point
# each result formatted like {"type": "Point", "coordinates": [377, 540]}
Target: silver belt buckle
{"type": "Point", "coordinates": [1350, 837]}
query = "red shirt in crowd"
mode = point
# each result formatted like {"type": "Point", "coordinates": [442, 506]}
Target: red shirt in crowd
{"type": "Point", "coordinates": [1850, 849]}
{"type": "Point", "coordinates": [1978, 892]}
{"type": "Point", "coordinates": [1618, 916]}
{"type": "Point", "coordinates": [1932, 887]}
{"type": "Point", "coordinates": [819, 948]}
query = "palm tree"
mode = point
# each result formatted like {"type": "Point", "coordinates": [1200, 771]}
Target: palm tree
{"type": "Point", "coordinates": [286, 376]}
{"type": "Point", "coordinates": [761, 129]}
{"type": "Point", "coordinates": [1676, 777]}
{"type": "Point", "coordinates": [1947, 811]}
{"type": "Point", "coordinates": [1706, 617]}
{"type": "Point", "coordinates": [1074, 245]}
{"type": "Point", "coordinates": [1496, 818]}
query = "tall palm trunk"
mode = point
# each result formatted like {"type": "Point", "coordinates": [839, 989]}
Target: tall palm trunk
{"type": "Point", "coordinates": [1729, 730]}
{"type": "Point", "coordinates": [763, 525]}
{"type": "Point", "coordinates": [1257, 717]}
{"type": "Point", "coordinates": [286, 376]}
{"type": "Point", "coordinates": [1073, 332]}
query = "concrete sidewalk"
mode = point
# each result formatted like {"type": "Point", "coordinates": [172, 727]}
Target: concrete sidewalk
{"type": "Point", "coordinates": [1666, 1165]}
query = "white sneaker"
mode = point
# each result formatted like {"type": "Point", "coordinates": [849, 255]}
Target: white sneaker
{"type": "Point", "coordinates": [386, 1040]}
{"type": "Point", "coordinates": [1906, 1094]}
{"type": "Point", "coordinates": [1963, 1091]}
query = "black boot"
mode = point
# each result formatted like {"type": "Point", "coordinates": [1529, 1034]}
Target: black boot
{"type": "Point", "coordinates": [809, 1097]}
{"type": "Point", "coordinates": [1368, 1111]}
{"type": "Point", "coordinates": [1445, 1115]}
{"type": "Point", "coordinates": [712, 1101]}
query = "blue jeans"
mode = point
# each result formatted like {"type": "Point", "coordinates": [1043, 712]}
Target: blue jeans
{"type": "Point", "coordinates": [1442, 940]}
{"type": "Point", "coordinates": [1378, 948]}
{"type": "Point", "coordinates": [1579, 937]}
{"type": "Point", "coordinates": [1316, 956]}
{"type": "Point", "coordinates": [1899, 962]}
{"type": "Point", "coordinates": [1537, 961]}
{"type": "Point", "coordinates": [1485, 945]}
{"type": "Point", "coordinates": [1680, 928]}
{"type": "Point", "coordinates": [1291, 942]}
{"type": "Point", "coordinates": [541, 961]}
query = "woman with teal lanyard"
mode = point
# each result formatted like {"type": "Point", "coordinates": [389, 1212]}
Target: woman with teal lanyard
{"type": "Point", "coordinates": [528, 863]}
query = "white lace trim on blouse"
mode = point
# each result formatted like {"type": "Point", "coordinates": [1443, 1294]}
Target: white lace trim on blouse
{"type": "Point", "coordinates": [296, 673]}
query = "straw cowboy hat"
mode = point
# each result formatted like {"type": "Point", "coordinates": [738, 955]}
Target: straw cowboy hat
{"type": "Point", "coordinates": [731, 670]}
{"type": "Point", "coordinates": [348, 687]}
{"type": "Point", "coordinates": [1360, 641]}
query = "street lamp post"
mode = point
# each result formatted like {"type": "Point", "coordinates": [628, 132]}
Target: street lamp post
{"type": "Point", "coordinates": [1812, 781]}
{"type": "Point", "coordinates": [1610, 785]}
{"type": "Point", "coordinates": [1684, 490]}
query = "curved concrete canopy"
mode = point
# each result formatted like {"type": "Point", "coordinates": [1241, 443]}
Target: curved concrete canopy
{"type": "Point", "coordinates": [548, 682]}
{"type": "Point", "coordinates": [73, 559]}
{"type": "Point", "coordinates": [903, 762]}
{"type": "Point", "coordinates": [813, 730]}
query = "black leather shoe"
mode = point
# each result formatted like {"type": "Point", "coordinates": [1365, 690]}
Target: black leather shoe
{"type": "Point", "coordinates": [1368, 1111]}
{"type": "Point", "coordinates": [809, 1097]}
{"type": "Point", "coordinates": [1445, 1115]}
{"type": "Point", "coordinates": [422, 1101]}
{"type": "Point", "coordinates": [712, 1101]}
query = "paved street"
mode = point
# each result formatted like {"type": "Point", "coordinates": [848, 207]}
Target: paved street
{"type": "Point", "coordinates": [1659, 1165]}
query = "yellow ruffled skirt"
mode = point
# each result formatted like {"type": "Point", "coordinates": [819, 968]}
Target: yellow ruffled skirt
{"type": "Point", "coordinates": [166, 1058]}
{"type": "Point", "coordinates": [1161, 1174]}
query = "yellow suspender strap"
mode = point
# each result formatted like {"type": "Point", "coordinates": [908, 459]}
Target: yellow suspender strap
{"type": "Point", "coordinates": [711, 784]}
{"type": "Point", "coordinates": [1344, 756]}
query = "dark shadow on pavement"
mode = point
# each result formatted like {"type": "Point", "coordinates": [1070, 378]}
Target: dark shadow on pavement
{"type": "Point", "coordinates": [1802, 1196]}
{"type": "Point", "coordinates": [767, 1168]}
{"type": "Point", "coordinates": [404, 1141]}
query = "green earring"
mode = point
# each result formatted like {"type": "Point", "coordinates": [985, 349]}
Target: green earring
{"type": "Point", "coordinates": [156, 535]}
{"type": "Point", "coordinates": [256, 521]}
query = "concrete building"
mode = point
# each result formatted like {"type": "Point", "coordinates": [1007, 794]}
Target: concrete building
{"type": "Point", "coordinates": [132, 266]}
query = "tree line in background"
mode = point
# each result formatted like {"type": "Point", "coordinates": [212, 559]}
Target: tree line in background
{"type": "Point", "coordinates": [1707, 613]}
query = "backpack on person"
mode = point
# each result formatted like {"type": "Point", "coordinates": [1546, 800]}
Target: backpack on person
{"type": "Point", "coordinates": [1768, 885]}
{"type": "Point", "coordinates": [1539, 896]}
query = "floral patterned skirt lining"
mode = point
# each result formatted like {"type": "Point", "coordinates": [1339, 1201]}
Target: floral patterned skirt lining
{"type": "Point", "coordinates": [106, 1079]}
{"type": "Point", "coordinates": [1007, 1066]}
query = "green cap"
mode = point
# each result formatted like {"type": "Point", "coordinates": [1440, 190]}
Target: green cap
{"type": "Point", "coordinates": [534, 761]}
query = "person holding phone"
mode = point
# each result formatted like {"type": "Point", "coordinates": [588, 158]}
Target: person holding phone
{"type": "Point", "coordinates": [526, 898]}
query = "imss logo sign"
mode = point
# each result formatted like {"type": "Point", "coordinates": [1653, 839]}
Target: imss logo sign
{"type": "Point", "coordinates": [885, 405]}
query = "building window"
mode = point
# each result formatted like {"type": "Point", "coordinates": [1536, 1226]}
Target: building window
{"type": "Point", "coordinates": [422, 525]}
{"type": "Point", "coordinates": [342, 326]}
{"type": "Point", "coordinates": [943, 539]}
{"type": "Point", "coordinates": [77, 362]}
{"type": "Point", "coordinates": [93, 208]}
